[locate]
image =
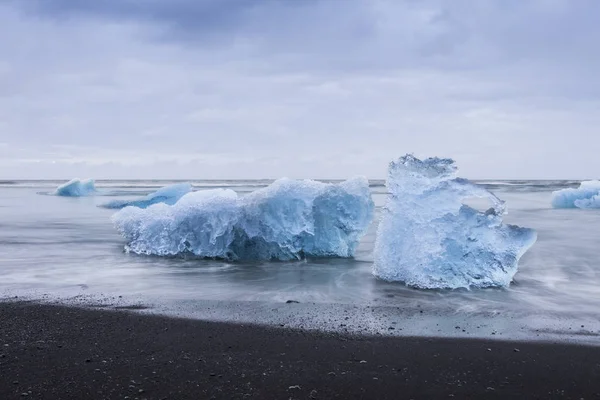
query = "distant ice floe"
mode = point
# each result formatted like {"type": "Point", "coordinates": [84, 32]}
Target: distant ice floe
{"type": "Point", "coordinates": [429, 239]}
{"type": "Point", "coordinates": [76, 188]}
{"type": "Point", "coordinates": [168, 195]}
{"type": "Point", "coordinates": [586, 196]}
{"type": "Point", "coordinates": [287, 220]}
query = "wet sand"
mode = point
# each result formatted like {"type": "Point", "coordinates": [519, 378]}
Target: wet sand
{"type": "Point", "coordinates": [58, 352]}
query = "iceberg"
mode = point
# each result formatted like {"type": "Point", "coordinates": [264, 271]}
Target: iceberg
{"type": "Point", "coordinates": [287, 220]}
{"type": "Point", "coordinates": [76, 188]}
{"type": "Point", "coordinates": [168, 195]}
{"type": "Point", "coordinates": [586, 196]}
{"type": "Point", "coordinates": [428, 239]}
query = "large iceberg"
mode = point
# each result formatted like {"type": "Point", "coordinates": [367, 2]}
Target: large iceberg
{"type": "Point", "coordinates": [168, 195]}
{"type": "Point", "coordinates": [76, 188]}
{"type": "Point", "coordinates": [586, 196]}
{"type": "Point", "coordinates": [287, 220]}
{"type": "Point", "coordinates": [429, 239]}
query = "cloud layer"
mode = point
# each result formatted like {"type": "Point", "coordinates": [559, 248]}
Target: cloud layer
{"type": "Point", "coordinates": [311, 88]}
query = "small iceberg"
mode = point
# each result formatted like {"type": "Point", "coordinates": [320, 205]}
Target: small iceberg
{"type": "Point", "coordinates": [168, 195]}
{"type": "Point", "coordinates": [285, 221]}
{"type": "Point", "coordinates": [429, 239]}
{"type": "Point", "coordinates": [76, 188]}
{"type": "Point", "coordinates": [587, 195]}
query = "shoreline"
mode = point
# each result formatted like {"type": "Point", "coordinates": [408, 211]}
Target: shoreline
{"type": "Point", "coordinates": [377, 320]}
{"type": "Point", "coordinates": [62, 352]}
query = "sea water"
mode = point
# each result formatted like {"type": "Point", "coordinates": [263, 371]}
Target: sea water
{"type": "Point", "coordinates": [57, 248]}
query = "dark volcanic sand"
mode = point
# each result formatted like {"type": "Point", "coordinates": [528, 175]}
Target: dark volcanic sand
{"type": "Point", "coordinates": [56, 352]}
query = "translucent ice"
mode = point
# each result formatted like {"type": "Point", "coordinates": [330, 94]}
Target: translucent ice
{"type": "Point", "coordinates": [200, 222]}
{"type": "Point", "coordinates": [429, 239]}
{"type": "Point", "coordinates": [76, 188]}
{"type": "Point", "coordinates": [586, 196]}
{"type": "Point", "coordinates": [286, 220]}
{"type": "Point", "coordinates": [168, 195]}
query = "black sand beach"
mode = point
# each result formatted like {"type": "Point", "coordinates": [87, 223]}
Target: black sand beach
{"type": "Point", "coordinates": [56, 352]}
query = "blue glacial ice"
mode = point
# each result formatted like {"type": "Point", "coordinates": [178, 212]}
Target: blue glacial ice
{"type": "Point", "coordinates": [429, 239]}
{"type": "Point", "coordinates": [76, 188]}
{"type": "Point", "coordinates": [586, 196]}
{"type": "Point", "coordinates": [287, 220]}
{"type": "Point", "coordinates": [168, 195]}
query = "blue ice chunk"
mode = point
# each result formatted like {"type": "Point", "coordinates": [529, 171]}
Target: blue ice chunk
{"type": "Point", "coordinates": [287, 220]}
{"type": "Point", "coordinates": [429, 239]}
{"type": "Point", "coordinates": [168, 195]}
{"type": "Point", "coordinates": [76, 188]}
{"type": "Point", "coordinates": [200, 222]}
{"type": "Point", "coordinates": [586, 196]}
{"type": "Point", "coordinates": [290, 219]}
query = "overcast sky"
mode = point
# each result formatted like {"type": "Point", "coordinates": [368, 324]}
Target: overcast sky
{"type": "Point", "coordinates": [302, 88]}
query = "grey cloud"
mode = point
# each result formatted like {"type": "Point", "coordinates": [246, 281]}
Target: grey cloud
{"type": "Point", "coordinates": [364, 33]}
{"type": "Point", "coordinates": [304, 88]}
{"type": "Point", "coordinates": [201, 15]}
{"type": "Point", "coordinates": [201, 21]}
{"type": "Point", "coordinates": [322, 34]}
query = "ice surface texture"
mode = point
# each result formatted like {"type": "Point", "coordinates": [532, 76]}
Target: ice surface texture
{"type": "Point", "coordinates": [76, 188]}
{"type": "Point", "coordinates": [168, 195]}
{"type": "Point", "coordinates": [429, 239]}
{"type": "Point", "coordinates": [287, 220]}
{"type": "Point", "coordinates": [586, 196]}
